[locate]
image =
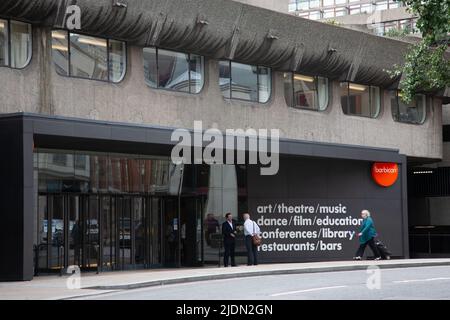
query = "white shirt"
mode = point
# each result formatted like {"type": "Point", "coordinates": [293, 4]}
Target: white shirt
{"type": "Point", "coordinates": [231, 224]}
{"type": "Point", "coordinates": [250, 227]}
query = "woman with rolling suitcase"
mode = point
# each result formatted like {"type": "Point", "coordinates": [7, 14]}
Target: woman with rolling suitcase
{"type": "Point", "coordinates": [366, 236]}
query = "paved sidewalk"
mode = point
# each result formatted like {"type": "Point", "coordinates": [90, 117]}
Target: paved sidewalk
{"type": "Point", "coordinates": [55, 287]}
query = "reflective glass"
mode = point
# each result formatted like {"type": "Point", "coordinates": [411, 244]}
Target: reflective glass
{"type": "Point", "coordinates": [360, 100]}
{"type": "Point", "coordinates": [244, 81]}
{"type": "Point", "coordinates": [60, 52]}
{"type": "Point", "coordinates": [308, 92]}
{"type": "Point", "coordinates": [4, 43]}
{"type": "Point", "coordinates": [173, 70]}
{"type": "Point", "coordinates": [151, 67]}
{"type": "Point", "coordinates": [117, 60]}
{"type": "Point", "coordinates": [20, 44]}
{"type": "Point", "coordinates": [225, 78]}
{"type": "Point", "coordinates": [414, 112]}
{"type": "Point", "coordinates": [196, 73]}
{"type": "Point", "coordinates": [264, 84]}
{"type": "Point", "coordinates": [88, 57]}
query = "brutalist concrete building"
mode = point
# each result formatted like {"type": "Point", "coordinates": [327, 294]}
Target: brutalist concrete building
{"type": "Point", "coordinates": [91, 92]}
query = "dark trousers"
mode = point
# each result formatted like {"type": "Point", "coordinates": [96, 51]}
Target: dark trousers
{"type": "Point", "coordinates": [252, 251]}
{"type": "Point", "coordinates": [229, 252]}
{"type": "Point", "coordinates": [372, 246]}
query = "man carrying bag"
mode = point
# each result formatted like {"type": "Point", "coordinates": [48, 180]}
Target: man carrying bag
{"type": "Point", "coordinates": [252, 239]}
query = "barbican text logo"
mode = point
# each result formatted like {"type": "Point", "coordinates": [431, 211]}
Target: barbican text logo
{"type": "Point", "coordinates": [385, 174]}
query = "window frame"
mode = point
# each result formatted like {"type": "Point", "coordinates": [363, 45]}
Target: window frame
{"type": "Point", "coordinates": [397, 99]}
{"type": "Point", "coordinates": [230, 95]}
{"type": "Point", "coordinates": [380, 96]}
{"type": "Point", "coordinates": [316, 84]}
{"type": "Point", "coordinates": [69, 69]}
{"type": "Point", "coordinates": [189, 71]}
{"type": "Point", "coordinates": [9, 42]}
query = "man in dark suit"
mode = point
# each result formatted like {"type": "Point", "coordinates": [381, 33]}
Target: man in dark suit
{"type": "Point", "coordinates": [229, 239]}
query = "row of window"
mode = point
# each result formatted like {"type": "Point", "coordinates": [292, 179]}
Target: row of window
{"type": "Point", "coordinates": [352, 6]}
{"type": "Point", "coordinates": [82, 56]}
{"type": "Point", "coordinates": [338, 11]}
{"type": "Point", "coordinates": [305, 92]}
{"type": "Point", "coordinates": [406, 26]}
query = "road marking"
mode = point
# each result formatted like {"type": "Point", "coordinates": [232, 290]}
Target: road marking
{"type": "Point", "coordinates": [306, 290]}
{"type": "Point", "coordinates": [420, 280]}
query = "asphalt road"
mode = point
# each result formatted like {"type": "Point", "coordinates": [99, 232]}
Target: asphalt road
{"type": "Point", "coordinates": [405, 283]}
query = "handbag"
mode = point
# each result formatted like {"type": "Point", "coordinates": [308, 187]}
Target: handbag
{"type": "Point", "coordinates": [256, 239]}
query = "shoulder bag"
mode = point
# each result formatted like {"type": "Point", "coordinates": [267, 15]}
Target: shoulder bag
{"type": "Point", "coordinates": [256, 239]}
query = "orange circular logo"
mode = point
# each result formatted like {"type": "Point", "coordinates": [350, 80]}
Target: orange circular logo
{"type": "Point", "coordinates": [385, 173]}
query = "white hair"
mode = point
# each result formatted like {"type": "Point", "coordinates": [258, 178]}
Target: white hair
{"type": "Point", "coordinates": [366, 213]}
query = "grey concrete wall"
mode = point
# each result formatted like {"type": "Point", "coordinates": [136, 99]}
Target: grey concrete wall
{"type": "Point", "coordinates": [39, 89]}
{"type": "Point", "coordinates": [275, 5]}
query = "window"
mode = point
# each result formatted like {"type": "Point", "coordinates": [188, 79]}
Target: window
{"type": "Point", "coordinates": [414, 112]}
{"type": "Point", "coordinates": [245, 82]}
{"type": "Point", "coordinates": [177, 71]}
{"type": "Point", "coordinates": [87, 57]}
{"type": "Point", "coordinates": [360, 100]}
{"type": "Point", "coordinates": [306, 92]}
{"type": "Point", "coordinates": [383, 5]}
{"type": "Point", "coordinates": [15, 44]}
{"type": "Point", "coordinates": [328, 13]}
{"type": "Point", "coordinates": [314, 15]}
{"type": "Point", "coordinates": [340, 12]}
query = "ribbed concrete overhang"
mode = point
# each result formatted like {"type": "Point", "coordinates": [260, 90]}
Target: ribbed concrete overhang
{"type": "Point", "coordinates": [228, 30]}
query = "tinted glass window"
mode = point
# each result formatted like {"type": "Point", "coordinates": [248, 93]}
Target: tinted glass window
{"type": "Point", "coordinates": [307, 92]}
{"type": "Point", "coordinates": [172, 70]}
{"type": "Point", "coordinates": [4, 52]}
{"type": "Point", "coordinates": [117, 60]}
{"type": "Point", "coordinates": [60, 46]}
{"type": "Point", "coordinates": [360, 100]}
{"type": "Point", "coordinates": [15, 44]}
{"type": "Point", "coordinates": [414, 112]}
{"type": "Point", "coordinates": [88, 57]}
{"type": "Point", "coordinates": [245, 82]}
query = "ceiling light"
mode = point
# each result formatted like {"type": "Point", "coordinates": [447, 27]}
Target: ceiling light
{"type": "Point", "coordinates": [93, 42]}
{"type": "Point", "coordinates": [59, 35]}
{"type": "Point", "coordinates": [357, 87]}
{"type": "Point", "coordinates": [59, 47]}
{"type": "Point", "coordinates": [303, 78]}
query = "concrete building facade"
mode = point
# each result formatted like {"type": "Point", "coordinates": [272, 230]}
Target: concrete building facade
{"type": "Point", "coordinates": [88, 116]}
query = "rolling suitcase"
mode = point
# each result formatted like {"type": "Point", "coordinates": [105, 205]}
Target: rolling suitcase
{"type": "Point", "coordinates": [384, 252]}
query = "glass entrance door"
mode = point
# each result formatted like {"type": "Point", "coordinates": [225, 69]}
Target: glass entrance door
{"type": "Point", "coordinates": [124, 230]}
{"type": "Point", "coordinates": [191, 213]}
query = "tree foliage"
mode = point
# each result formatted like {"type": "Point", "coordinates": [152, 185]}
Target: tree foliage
{"type": "Point", "coordinates": [426, 67]}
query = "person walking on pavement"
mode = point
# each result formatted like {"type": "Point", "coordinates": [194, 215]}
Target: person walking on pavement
{"type": "Point", "coordinates": [366, 236]}
{"type": "Point", "coordinates": [229, 239]}
{"type": "Point", "coordinates": [251, 229]}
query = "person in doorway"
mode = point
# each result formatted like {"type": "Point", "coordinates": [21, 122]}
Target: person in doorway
{"type": "Point", "coordinates": [366, 236]}
{"type": "Point", "coordinates": [251, 229]}
{"type": "Point", "coordinates": [171, 237]}
{"type": "Point", "coordinates": [229, 239]}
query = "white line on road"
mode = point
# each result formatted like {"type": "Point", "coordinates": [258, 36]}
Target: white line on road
{"type": "Point", "coordinates": [306, 290]}
{"type": "Point", "coordinates": [420, 280]}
